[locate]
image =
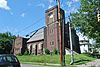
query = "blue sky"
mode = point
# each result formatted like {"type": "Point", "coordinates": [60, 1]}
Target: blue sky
{"type": "Point", "coordinates": [21, 17]}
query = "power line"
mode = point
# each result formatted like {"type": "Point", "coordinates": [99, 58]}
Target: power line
{"type": "Point", "coordinates": [33, 32]}
{"type": "Point", "coordinates": [30, 25]}
{"type": "Point", "coordinates": [33, 23]}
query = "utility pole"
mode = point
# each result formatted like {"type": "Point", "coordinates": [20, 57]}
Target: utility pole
{"type": "Point", "coordinates": [60, 34]}
{"type": "Point", "coordinates": [60, 38]}
{"type": "Point", "coordinates": [71, 46]}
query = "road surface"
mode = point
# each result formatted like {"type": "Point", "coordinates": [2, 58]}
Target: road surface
{"type": "Point", "coordinates": [95, 63]}
{"type": "Point", "coordinates": [29, 65]}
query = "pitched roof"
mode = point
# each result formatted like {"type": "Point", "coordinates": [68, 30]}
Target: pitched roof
{"type": "Point", "coordinates": [39, 35]}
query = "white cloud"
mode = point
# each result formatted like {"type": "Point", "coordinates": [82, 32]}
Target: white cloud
{"type": "Point", "coordinates": [41, 5]}
{"type": "Point", "coordinates": [23, 15]}
{"type": "Point", "coordinates": [3, 5]}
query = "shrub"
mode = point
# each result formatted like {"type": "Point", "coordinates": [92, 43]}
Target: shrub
{"type": "Point", "coordinates": [47, 51]}
{"type": "Point", "coordinates": [26, 52]}
{"type": "Point", "coordinates": [55, 51]}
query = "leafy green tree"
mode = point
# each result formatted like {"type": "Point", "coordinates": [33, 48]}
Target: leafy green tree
{"type": "Point", "coordinates": [86, 20]}
{"type": "Point", "coordinates": [6, 42]}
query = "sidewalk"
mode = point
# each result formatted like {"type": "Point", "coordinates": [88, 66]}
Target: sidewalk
{"type": "Point", "coordinates": [95, 63]}
{"type": "Point", "coordinates": [34, 63]}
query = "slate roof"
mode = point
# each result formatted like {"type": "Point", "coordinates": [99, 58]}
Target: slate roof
{"type": "Point", "coordinates": [39, 35]}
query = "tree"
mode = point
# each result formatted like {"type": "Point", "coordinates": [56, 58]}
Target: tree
{"type": "Point", "coordinates": [86, 19]}
{"type": "Point", "coordinates": [6, 42]}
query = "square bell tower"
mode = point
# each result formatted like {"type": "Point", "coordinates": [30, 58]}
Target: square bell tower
{"type": "Point", "coordinates": [52, 28]}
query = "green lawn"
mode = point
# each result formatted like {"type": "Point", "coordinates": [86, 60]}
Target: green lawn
{"type": "Point", "coordinates": [79, 59]}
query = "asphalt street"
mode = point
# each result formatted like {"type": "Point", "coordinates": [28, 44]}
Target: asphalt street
{"type": "Point", "coordinates": [28, 65]}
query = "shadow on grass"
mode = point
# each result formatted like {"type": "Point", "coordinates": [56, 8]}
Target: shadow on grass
{"type": "Point", "coordinates": [81, 61]}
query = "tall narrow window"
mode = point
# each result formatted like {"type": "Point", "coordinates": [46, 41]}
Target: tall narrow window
{"type": "Point", "coordinates": [51, 22]}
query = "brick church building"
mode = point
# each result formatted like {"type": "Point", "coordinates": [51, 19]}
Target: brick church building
{"type": "Point", "coordinates": [52, 39]}
{"type": "Point", "coordinates": [49, 37]}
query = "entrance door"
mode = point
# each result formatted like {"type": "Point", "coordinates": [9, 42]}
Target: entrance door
{"type": "Point", "coordinates": [35, 49]}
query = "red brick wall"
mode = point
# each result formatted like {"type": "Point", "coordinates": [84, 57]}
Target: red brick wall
{"type": "Point", "coordinates": [18, 45]}
{"type": "Point", "coordinates": [52, 38]}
